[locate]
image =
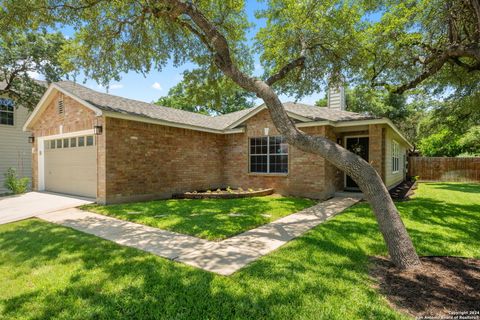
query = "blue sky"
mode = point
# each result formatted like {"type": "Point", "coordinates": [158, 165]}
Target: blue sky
{"type": "Point", "coordinates": [156, 84]}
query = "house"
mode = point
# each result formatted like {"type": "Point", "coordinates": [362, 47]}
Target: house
{"type": "Point", "coordinates": [15, 150]}
{"type": "Point", "coordinates": [116, 149]}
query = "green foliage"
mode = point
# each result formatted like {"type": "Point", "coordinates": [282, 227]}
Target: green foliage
{"type": "Point", "coordinates": [323, 102]}
{"type": "Point", "coordinates": [406, 112]}
{"type": "Point", "coordinates": [53, 272]}
{"type": "Point", "coordinates": [15, 184]}
{"type": "Point", "coordinates": [23, 53]}
{"type": "Point", "coordinates": [208, 93]}
{"type": "Point", "coordinates": [112, 37]}
{"type": "Point", "coordinates": [377, 102]}
{"type": "Point", "coordinates": [456, 120]}
{"type": "Point", "coordinates": [443, 143]}
{"type": "Point", "coordinates": [206, 218]}
{"type": "Point", "coordinates": [470, 141]}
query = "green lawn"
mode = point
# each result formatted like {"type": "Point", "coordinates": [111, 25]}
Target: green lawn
{"type": "Point", "coordinates": [212, 219]}
{"type": "Point", "coordinates": [48, 271]}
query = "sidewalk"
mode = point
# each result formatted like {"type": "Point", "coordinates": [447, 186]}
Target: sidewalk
{"type": "Point", "coordinates": [224, 257]}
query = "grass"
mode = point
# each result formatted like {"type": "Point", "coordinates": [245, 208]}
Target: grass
{"type": "Point", "coordinates": [52, 272]}
{"type": "Point", "coordinates": [212, 219]}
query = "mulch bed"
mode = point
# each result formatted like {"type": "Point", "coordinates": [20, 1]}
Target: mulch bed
{"type": "Point", "coordinates": [447, 287]}
{"type": "Point", "coordinates": [224, 194]}
{"type": "Point", "coordinates": [403, 191]}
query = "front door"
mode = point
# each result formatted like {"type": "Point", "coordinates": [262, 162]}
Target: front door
{"type": "Point", "coordinates": [359, 146]}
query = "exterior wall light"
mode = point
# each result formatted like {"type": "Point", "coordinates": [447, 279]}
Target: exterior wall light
{"type": "Point", "coordinates": [97, 130]}
{"type": "Point", "coordinates": [31, 139]}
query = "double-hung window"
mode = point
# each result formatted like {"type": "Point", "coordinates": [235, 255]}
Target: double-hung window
{"type": "Point", "coordinates": [395, 157]}
{"type": "Point", "coordinates": [268, 155]}
{"type": "Point", "coordinates": [7, 112]}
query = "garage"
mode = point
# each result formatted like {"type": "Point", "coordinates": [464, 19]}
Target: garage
{"type": "Point", "coordinates": [71, 166]}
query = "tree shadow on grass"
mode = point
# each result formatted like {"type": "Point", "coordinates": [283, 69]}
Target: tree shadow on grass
{"type": "Point", "coordinates": [438, 228]}
{"type": "Point", "coordinates": [322, 274]}
{"type": "Point", "coordinates": [205, 218]}
{"type": "Point", "coordinates": [459, 187]}
{"type": "Point", "coordinates": [92, 278]}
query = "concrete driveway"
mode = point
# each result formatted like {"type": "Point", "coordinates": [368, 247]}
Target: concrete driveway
{"type": "Point", "coordinates": [31, 204]}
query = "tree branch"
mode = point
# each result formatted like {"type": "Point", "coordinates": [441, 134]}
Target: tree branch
{"type": "Point", "coordinates": [282, 73]}
{"type": "Point", "coordinates": [466, 66]}
{"type": "Point", "coordinates": [437, 65]}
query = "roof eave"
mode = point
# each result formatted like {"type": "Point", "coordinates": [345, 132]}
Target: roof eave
{"type": "Point", "coordinates": [120, 115]}
{"type": "Point", "coordinates": [349, 123]}
{"type": "Point", "coordinates": [262, 107]}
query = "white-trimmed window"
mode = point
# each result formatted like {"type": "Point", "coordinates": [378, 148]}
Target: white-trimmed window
{"type": "Point", "coordinates": [395, 156]}
{"type": "Point", "coordinates": [268, 155]}
{"type": "Point", "coordinates": [7, 112]}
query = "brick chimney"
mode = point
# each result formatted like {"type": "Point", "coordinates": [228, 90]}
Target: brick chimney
{"type": "Point", "coordinates": [336, 97]}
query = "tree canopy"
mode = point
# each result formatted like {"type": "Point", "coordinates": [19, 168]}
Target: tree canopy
{"type": "Point", "coordinates": [23, 53]}
{"type": "Point", "coordinates": [208, 94]}
{"type": "Point", "coordinates": [392, 44]}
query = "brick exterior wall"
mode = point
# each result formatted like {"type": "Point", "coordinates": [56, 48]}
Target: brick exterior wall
{"type": "Point", "coordinates": [377, 148]}
{"type": "Point", "coordinates": [147, 161]}
{"type": "Point", "coordinates": [308, 176]}
{"type": "Point", "coordinates": [139, 161]}
{"type": "Point", "coordinates": [76, 117]}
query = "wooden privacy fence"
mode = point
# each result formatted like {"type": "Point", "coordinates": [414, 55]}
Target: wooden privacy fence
{"type": "Point", "coordinates": [445, 169]}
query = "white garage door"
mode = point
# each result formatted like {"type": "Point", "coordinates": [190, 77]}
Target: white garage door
{"type": "Point", "coordinates": [71, 166]}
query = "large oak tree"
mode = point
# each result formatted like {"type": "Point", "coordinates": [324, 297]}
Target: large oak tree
{"type": "Point", "coordinates": [302, 44]}
{"type": "Point", "coordinates": [24, 54]}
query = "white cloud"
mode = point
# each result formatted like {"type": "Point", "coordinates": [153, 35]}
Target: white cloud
{"type": "Point", "coordinates": [157, 86]}
{"type": "Point", "coordinates": [116, 86]}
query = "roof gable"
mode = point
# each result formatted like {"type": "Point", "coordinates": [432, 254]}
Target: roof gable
{"type": "Point", "coordinates": [47, 97]}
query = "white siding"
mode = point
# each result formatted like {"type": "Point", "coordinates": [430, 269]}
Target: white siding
{"type": "Point", "coordinates": [392, 179]}
{"type": "Point", "coordinates": [15, 151]}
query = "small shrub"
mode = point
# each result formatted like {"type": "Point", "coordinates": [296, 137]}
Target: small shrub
{"type": "Point", "coordinates": [219, 190]}
{"type": "Point", "coordinates": [14, 183]}
{"type": "Point", "coordinates": [250, 190]}
{"type": "Point", "coordinates": [209, 191]}
{"type": "Point", "coordinates": [415, 178]}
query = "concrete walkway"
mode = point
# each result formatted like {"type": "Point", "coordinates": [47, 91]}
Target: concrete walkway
{"type": "Point", "coordinates": [30, 204]}
{"type": "Point", "coordinates": [224, 257]}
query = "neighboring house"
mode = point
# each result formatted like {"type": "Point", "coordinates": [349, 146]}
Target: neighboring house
{"type": "Point", "coordinates": [116, 149]}
{"type": "Point", "coordinates": [15, 150]}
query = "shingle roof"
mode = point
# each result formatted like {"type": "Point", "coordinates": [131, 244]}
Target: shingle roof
{"type": "Point", "coordinates": [322, 113]}
{"type": "Point", "coordinates": [108, 102]}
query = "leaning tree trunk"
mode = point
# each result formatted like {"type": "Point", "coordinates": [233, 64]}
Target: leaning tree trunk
{"type": "Point", "coordinates": [398, 242]}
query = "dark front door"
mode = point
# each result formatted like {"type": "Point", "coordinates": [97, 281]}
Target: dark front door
{"type": "Point", "coordinates": [358, 146]}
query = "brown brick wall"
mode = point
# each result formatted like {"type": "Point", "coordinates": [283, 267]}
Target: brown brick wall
{"type": "Point", "coordinates": [76, 117]}
{"type": "Point", "coordinates": [146, 161]}
{"type": "Point", "coordinates": [308, 176]}
{"type": "Point", "coordinates": [376, 148]}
